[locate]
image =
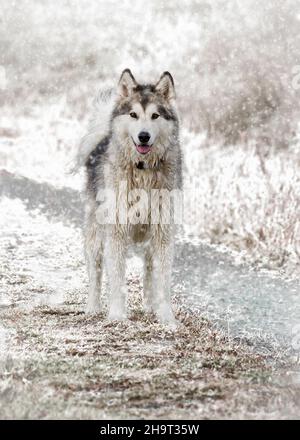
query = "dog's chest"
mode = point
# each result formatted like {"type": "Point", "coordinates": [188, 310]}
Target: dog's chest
{"type": "Point", "coordinates": [139, 234]}
{"type": "Point", "coordinates": [146, 179]}
{"type": "Point", "coordinates": [136, 190]}
{"type": "Point", "coordinates": [140, 185]}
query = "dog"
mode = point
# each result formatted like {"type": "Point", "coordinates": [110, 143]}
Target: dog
{"type": "Point", "coordinates": [132, 152]}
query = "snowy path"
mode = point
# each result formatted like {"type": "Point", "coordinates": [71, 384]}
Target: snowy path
{"type": "Point", "coordinates": [246, 303]}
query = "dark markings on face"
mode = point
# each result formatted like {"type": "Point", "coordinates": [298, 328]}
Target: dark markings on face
{"type": "Point", "coordinates": [144, 88]}
{"type": "Point", "coordinates": [146, 98]}
{"type": "Point", "coordinates": [144, 94]}
{"type": "Point", "coordinates": [166, 113]}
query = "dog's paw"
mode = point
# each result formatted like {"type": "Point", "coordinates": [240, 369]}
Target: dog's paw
{"type": "Point", "coordinates": [166, 316]}
{"type": "Point", "coordinates": [168, 321]}
{"type": "Point", "coordinates": [148, 307]}
{"type": "Point", "coordinates": [116, 313]}
{"type": "Point", "coordinates": [116, 316]}
{"type": "Point", "coordinates": [92, 309]}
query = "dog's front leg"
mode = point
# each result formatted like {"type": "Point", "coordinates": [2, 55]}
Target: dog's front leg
{"type": "Point", "coordinates": [162, 269]}
{"type": "Point", "coordinates": [115, 264]}
{"type": "Point", "coordinates": [94, 259]}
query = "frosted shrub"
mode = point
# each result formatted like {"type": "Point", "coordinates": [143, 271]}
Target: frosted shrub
{"type": "Point", "coordinates": [248, 202]}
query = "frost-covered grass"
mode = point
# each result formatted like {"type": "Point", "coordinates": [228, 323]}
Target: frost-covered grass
{"type": "Point", "coordinates": [61, 364]}
{"type": "Point", "coordinates": [235, 63]}
{"type": "Point", "coordinates": [248, 201]}
{"type": "Point", "coordinates": [234, 66]}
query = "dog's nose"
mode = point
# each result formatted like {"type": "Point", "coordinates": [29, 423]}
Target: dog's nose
{"type": "Point", "coordinates": [144, 137]}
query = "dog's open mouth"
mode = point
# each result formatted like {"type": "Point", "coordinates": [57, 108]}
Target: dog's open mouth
{"type": "Point", "coordinates": [142, 148]}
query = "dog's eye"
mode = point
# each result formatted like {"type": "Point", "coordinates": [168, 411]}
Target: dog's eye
{"type": "Point", "coordinates": [155, 116]}
{"type": "Point", "coordinates": [133, 115]}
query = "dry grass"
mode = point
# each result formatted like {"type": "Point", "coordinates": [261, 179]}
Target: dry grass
{"type": "Point", "coordinates": [248, 200]}
{"type": "Point", "coordinates": [65, 365]}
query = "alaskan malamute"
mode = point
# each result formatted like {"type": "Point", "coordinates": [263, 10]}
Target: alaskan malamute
{"type": "Point", "coordinates": [133, 168]}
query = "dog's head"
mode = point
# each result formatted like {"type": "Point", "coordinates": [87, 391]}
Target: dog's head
{"type": "Point", "coordinates": [144, 117]}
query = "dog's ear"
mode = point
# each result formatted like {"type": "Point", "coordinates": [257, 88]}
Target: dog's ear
{"type": "Point", "coordinates": [126, 84]}
{"type": "Point", "coordinates": [165, 86]}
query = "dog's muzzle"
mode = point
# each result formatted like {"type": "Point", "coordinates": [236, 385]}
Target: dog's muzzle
{"type": "Point", "coordinates": [143, 148]}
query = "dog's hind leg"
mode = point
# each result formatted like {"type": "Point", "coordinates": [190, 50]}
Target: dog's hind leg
{"type": "Point", "coordinates": [162, 269]}
{"type": "Point", "coordinates": [94, 259]}
{"type": "Point", "coordinates": [115, 269]}
{"type": "Point", "coordinates": [147, 282]}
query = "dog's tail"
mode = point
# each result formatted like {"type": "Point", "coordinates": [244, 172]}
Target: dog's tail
{"type": "Point", "coordinates": [98, 127]}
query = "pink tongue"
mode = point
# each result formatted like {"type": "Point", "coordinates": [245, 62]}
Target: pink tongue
{"type": "Point", "coordinates": [143, 148]}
